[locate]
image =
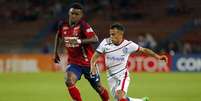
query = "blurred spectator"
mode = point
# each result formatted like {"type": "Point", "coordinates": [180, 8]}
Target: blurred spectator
{"type": "Point", "coordinates": [172, 7]}
{"type": "Point", "coordinates": [172, 48]}
{"type": "Point", "coordinates": [150, 41]}
{"type": "Point", "coordinates": [141, 40]}
{"type": "Point", "coordinates": [28, 10]}
{"type": "Point", "coordinates": [57, 7]}
{"type": "Point", "coordinates": [187, 49]}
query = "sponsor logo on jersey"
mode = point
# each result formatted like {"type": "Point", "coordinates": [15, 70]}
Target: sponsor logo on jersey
{"type": "Point", "coordinates": [125, 50]}
{"type": "Point", "coordinates": [113, 58]}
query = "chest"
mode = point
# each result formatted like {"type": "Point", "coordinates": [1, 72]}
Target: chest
{"type": "Point", "coordinates": [112, 50]}
{"type": "Point", "coordinates": [67, 31]}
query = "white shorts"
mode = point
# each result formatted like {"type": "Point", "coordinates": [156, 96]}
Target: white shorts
{"type": "Point", "coordinates": [119, 83]}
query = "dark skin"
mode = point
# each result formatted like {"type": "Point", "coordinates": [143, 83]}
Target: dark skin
{"type": "Point", "coordinates": [117, 36]}
{"type": "Point", "coordinates": [75, 15]}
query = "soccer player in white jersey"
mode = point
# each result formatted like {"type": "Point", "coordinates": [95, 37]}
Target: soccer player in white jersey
{"type": "Point", "coordinates": [116, 50]}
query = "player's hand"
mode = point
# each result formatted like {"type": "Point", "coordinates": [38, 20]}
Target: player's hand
{"type": "Point", "coordinates": [95, 77]}
{"type": "Point", "coordinates": [56, 58]}
{"type": "Point", "coordinates": [163, 58]}
{"type": "Point", "coordinates": [93, 69]}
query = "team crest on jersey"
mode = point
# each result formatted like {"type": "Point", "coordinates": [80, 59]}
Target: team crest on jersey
{"type": "Point", "coordinates": [125, 50]}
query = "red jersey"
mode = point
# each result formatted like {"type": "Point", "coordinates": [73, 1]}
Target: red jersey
{"type": "Point", "coordinates": [82, 54]}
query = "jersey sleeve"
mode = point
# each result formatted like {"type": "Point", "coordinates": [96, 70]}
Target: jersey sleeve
{"type": "Point", "coordinates": [101, 47]}
{"type": "Point", "coordinates": [133, 47]}
{"type": "Point", "coordinates": [88, 31]}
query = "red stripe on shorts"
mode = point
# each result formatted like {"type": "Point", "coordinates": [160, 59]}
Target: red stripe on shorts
{"type": "Point", "coordinates": [122, 87]}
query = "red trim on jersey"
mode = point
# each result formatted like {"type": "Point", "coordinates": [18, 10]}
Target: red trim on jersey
{"type": "Point", "coordinates": [138, 49]}
{"type": "Point", "coordinates": [122, 87]}
{"type": "Point", "coordinates": [118, 48]}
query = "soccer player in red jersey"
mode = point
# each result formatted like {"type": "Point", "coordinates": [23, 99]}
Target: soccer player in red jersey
{"type": "Point", "coordinates": [78, 38]}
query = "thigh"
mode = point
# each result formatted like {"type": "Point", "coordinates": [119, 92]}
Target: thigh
{"type": "Point", "coordinates": [113, 84]}
{"type": "Point", "coordinates": [73, 72]}
{"type": "Point", "coordinates": [123, 84]}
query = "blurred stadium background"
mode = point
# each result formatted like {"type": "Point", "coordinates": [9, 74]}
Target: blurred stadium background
{"type": "Point", "coordinates": [171, 27]}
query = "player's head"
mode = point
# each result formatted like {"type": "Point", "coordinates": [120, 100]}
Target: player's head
{"type": "Point", "coordinates": [75, 12]}
{"type": "Point", "coordinates": [117, 33]}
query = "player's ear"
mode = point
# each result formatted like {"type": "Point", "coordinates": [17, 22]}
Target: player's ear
{"type": "Point", "coordinates": [121, 32]}
{"type": "Point", "coordinates": [81, 14]}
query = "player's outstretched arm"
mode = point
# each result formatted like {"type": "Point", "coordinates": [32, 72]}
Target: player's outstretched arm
{"type": "Point", "coordinates": [153, 54]}
{"type": "Point", "coordinates": [94, 58]}
{"type": "Point", "coordinates": [56, 45]}
{"type": "Point", "coordinates": [93, 39]}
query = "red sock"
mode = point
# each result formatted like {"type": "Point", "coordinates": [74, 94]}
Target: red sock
{"type": "Point", "coordinates": [75, 94]}
{"type": "Point", "coordinates": [123, 99]}
{"type": "Point", "coordinates": [104, 95]}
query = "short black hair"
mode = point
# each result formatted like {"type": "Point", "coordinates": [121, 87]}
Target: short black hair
{"type": "Point", "coordinates": [118, 26]}
{"type": "Point", "coordinates": [77, 6]}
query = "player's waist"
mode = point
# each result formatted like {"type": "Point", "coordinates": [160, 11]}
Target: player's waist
{"type": "Point", "coordinates": [115, 66]}
{"type": "Point", "coordinates": [79, 62]}
{"type": "Point", "coordinates": [117, 72]}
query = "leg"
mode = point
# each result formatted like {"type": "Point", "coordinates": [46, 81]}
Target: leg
{"type": "Point", "coordinates": [120, 95]}
{"type": "Point", "coordinates": [121, 87]}
{"type": "Point", "coordinates": [96, 84]}
{"type": "Point", "coordinates": [73, 74]}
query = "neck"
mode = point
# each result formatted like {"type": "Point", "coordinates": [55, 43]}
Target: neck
{"type": "Point", "coordinates": [120, 42]}
{"type": "Point", "coordinates": [71, 23]}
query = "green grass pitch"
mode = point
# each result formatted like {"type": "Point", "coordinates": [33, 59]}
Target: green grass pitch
{"type": "Point", "coordinates": [50, 87]}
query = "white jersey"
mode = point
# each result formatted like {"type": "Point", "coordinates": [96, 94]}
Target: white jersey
{"type": "Point", "coordinates": [116, 57]}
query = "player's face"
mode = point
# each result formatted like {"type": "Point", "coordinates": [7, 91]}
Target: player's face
{"type": "Point", "coordinates": [116, 36]}
{"type": "Point", "coordinates": [75, 15]}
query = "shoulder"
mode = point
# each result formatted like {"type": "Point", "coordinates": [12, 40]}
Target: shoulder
{"type": "Point", "coordinates": [84, 23]}
{"type": "Point", "coordinates": [61, 23]}
{"type": "Point", "coordinates": [107, 41]}
{"type": "Point", "coordinates": [130, 42]}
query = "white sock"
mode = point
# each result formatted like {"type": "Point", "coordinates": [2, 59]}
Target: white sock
{"type": "Point", "coordinates": [134, 99]}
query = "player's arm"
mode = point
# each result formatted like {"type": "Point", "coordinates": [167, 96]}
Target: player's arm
{"type": "Point", "coordinates": [152, 53]}
{"type": "Point", "coordinates": [56, 45]}
{"type": "Point", "coordinates": [94, 58]}
{"type": "Point", "coordinates": [91, 36]}
{"type": "Point", "coordinates": [93, 39]}
{"type": "Point", "coordinates": [76, 41]}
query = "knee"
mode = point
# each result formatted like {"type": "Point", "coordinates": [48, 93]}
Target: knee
{"type": "Point", "coordinates": [70, 82]}
{"type": "Point", "coordinates": [120, 94]}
